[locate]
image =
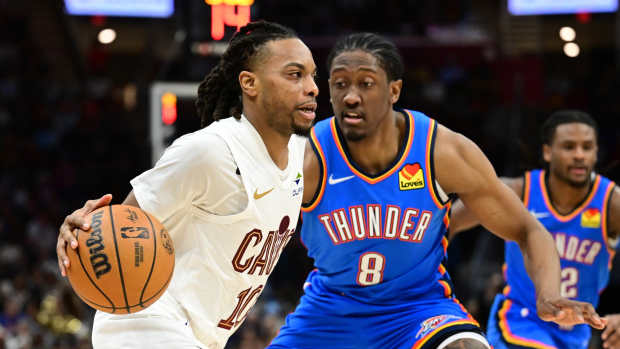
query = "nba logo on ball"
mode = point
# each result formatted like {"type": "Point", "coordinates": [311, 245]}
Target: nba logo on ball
{"type": "Point", "coordinates": [124, 262]}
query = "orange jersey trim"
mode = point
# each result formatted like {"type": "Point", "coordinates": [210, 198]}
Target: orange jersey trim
{"type": "Point", "coordinates": [321, 188]}
{"type": "Point", "coordinates": [444, 244]}
{"type": "Point", "coordinates": [578, 210]}
{"type": "Point", "coordinates": [446, 217]}
{"type": "Point", "coordinates": [426, 338]}
{"type": "Point", "coordinates": [526, 188]}
{"type": "Point", "coordinates": [510, 337]}
{"type": "Point", "coordinates": [611, 251]}
{"type": "Point", "coordinates": [446, 221]}
{"type": "Point", "coordinates": [447, 290]}
{"type": "Point", "coordinates": [465, 311]}
{"type": "Point", "coordinates": [429, 177]}
{"type": "Point", "coordinates": [373, 180]}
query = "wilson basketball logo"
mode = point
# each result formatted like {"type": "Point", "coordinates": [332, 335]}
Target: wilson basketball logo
{"type": "Point", "coordinates": [411, 177]}
{"type": "Point", "coordinates": [591, 218]}
{"type": "Point", "coordinates": [98, 258]}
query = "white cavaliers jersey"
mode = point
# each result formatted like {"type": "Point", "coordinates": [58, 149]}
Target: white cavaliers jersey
{"type": "Point", "coordinates": [230, 212]}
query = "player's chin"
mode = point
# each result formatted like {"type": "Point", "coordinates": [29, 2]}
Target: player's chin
{"type": "Point", "coordinates": [302, 130]}
{"type": "Point", "coordinates": [301, 127]}
{"type": "Point", "coordinates": [579, 181]}
{"type": "Point", "coordinates": [353, 134]}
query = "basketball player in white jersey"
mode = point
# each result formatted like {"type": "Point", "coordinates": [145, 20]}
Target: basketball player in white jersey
{"type": "Point", "coordinates": [229, 194]}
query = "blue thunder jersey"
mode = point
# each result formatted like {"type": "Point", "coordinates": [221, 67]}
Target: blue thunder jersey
{"type": "Point", "coordinates": [585, 256]}
{"type": "Point", "coordinates": [379, 245]}
{"type": "Point", "coordinates": [378, 239]}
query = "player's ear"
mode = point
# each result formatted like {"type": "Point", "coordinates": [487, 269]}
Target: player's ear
{"type": "Point", "coordinates": [546, 150]}
{"type": "Point", "coordinates": [395, 88]}
{"type": "Point", "coordinates": [249, 83]}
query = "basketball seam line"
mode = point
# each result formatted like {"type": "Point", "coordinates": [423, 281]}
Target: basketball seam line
{"type": "Point", "coordinates": [155, 295]}
{"type": "Point", "coordinates": [91, 279]}
{"type": "Point", "coordinates": [118, 259]}
{"type": "Point", "coordinates": [148, 279]}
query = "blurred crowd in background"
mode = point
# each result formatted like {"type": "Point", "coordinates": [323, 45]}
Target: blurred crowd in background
{"type": "Point", "coordinates": [66, 140]}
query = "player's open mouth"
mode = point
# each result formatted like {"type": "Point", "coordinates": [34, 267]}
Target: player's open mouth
{"type": "Point", "coordinates": [352, 117]}
{"type": "Point", "coordinates": [308, 110]}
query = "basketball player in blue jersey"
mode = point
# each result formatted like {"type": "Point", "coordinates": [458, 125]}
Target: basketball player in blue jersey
{"type": "Point", "coordinates": [376, 214]}
{"type": "Point", "coordinates": [581, 210]}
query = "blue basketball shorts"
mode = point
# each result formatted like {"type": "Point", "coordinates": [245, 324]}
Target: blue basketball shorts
{"type": "Point", "coordinates": [325, 320]}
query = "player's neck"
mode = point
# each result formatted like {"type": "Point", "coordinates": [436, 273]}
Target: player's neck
{"type": "Point", "coordinates": [377, 151]}
{"type": "Point", "coordinates": [275, 142]}
{"type": "Point", "coordinates": [564, 196]}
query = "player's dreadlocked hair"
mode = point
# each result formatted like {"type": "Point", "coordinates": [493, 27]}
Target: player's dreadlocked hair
{"type": "Point", "coordinates": [565, 117]}
{"type": "Point", "coordinates": [219, 94]}
{"type": "Point", "coordinates": [384, 50]}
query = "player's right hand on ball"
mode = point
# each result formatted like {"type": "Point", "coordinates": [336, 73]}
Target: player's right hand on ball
{"type": "Point", "coordinates": [76, 220]}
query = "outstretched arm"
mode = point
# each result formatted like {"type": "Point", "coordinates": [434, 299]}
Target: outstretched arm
{"type": "Point", "coordinates": [611, 334]}
{"type": "Point", "coordinates": [462, 168]}
{"type": "Point", "coordinates": [461, 218]}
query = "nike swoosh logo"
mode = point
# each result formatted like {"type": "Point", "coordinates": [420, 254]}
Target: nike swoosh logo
{"type": "Point", "coordinates": [539, 215]}
{"type": "Point", "coordinates": [333, 180]}
{"type": "Point", "coordinates": [258, 196]}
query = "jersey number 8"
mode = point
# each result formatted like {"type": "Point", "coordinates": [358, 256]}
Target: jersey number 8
{"type": "Point", "coordinates": [370, 269]}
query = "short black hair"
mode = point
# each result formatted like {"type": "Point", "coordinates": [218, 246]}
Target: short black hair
{"type": "Point", "coordinates": [381, 48]}
{"type": "Point", "coordinates": [219, 94]}
{"type": "Point", "coordinates": [565, 117]}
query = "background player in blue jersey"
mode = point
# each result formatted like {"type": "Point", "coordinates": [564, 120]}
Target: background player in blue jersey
{"type": "Point", "coordinates": [375, 219]}
{"type": "Point", "coordinates": [581, 210]}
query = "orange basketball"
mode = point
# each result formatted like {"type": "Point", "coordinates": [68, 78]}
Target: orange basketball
{"type": "Point", "coordinates": [124, 262]}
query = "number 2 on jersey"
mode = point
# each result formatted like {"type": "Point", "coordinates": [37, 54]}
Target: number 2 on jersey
{"type": "Point", "coordinates": [370, 269]}
{"type": "Point", "coordinates": [570, 276]}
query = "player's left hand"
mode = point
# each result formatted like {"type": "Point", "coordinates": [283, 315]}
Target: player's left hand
{"type": "Point", "coordinates": [567, 312]}
{"type": "Point", "coordinates": [611, 334]}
